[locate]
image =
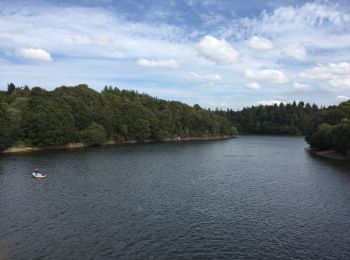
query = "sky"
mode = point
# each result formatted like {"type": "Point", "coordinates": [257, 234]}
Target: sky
{"type": "Point", "coordinates": [225, 54]}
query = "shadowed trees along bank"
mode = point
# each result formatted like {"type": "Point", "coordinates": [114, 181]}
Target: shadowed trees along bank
{"type": "Point", "coordinates": [324, 128]}
{"type": "Point", "coordinates": [80, 114]}
{"type": "Point", "coordinates": [331, 129]}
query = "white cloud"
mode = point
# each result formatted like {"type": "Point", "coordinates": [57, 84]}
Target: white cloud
{"type": "Point", "coordinates": [93, 43]}
{"type": "Point", "coordinates": [270, 75]}
{"type": "Point", "coordinates": [301, 87]}
{"type": "Point", "coordinates": [259, 43]}
{"type": "Point", "coordinates": [269, 102]}
{"type": "Point", "coordinates": [75, 32]}
{"type": "Point", "coordinates": [314, 25]}
{"type": "Point", "coordinates": [158, 63]}
{"type": "Point", "coordinates": [253, 86]}
{"type": "Point", "coordinates": [343, 97]}
{"type": "Point", "coordinates": [206, 77]}
{"type": "Point", "coordinates": [337, 75]}
{"type": "Point", "coordinates": [217, 50]}
{"type": "Point", "coordinates": [34, 54]}
{"type": "Point", "coordinates": [340, 83]}
{"type": "Point", "coordinates": [309, 18]}
{"type": "Point", "coordinates": [295, 51]}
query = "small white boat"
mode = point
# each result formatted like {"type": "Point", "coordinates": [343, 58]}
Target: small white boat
{"type": "Point", "coordinates": [38, 175]}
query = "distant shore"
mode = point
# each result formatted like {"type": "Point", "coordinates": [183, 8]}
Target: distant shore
{"type": "Point", "coordinates": [26, 149]}
{"type": "Point", "coordinates": [328, 154]}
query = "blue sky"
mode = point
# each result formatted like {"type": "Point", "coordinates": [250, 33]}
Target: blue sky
{"type": "Point", "coordinates": [214, 53]}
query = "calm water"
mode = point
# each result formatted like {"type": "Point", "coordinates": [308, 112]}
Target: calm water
{"type": "Point", "coordinates": [252, 197]}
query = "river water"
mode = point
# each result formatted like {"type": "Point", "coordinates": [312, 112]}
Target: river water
{"type": "Point", "coordinates": [254, 197]}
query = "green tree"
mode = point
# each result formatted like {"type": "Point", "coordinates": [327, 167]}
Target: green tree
{"type": "Point", "coordinates": [46, 124]}
{"type": "Point", "coordinates": [95, 134]}
{"type": "Point", "coordinates": [5, 130]}
{"type": "Point", "coordinates": [11, 88]}
{"type": "Point", "coordinates": [141, 129]}
{"type": "Point", "coordinates": [321, 139]}
{"type": "Point", "coordinates": [341, 136]}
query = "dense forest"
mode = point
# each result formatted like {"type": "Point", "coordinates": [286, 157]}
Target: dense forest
{"type": "Point", "coordinates": [37, 117]}
{"type": "Point", "coordinates": [324, 128]}
{"type": "Point", "coordinates": [285, 119]}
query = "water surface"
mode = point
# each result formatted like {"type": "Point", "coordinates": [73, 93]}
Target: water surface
{"type": "Point", "coordinates": [252, 197]}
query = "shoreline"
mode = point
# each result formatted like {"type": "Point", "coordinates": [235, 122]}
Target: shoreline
{"type": "Point", "coordinates": [330, 154]}
{"type": "Point", "coordinates": [27, 149]}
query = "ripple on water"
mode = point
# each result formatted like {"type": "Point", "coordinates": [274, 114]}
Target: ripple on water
{"type": "Point", "coordinates": [248, 198]}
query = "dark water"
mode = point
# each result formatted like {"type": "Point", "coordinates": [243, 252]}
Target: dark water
{"type": "Point", "coordinates": [253, 197]}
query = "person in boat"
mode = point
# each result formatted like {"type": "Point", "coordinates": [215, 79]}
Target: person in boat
{"type": "Point", "coordinates": [36, 171]}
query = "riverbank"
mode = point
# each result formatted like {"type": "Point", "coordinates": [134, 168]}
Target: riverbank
{"type": "Point", "coordinates": [111, 142]}
{"type": "Point", "coordinates": [330, 154]}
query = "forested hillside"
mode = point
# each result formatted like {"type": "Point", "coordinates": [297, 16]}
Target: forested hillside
{"type": "Point", "coordinates": [80, 114]}
{"type": "Point", "coordinates": [291, 119]}
{"type": "Point", "coordinates": [37, 117]}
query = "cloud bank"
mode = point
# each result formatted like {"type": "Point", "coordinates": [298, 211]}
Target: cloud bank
{"type": "Point", "coordinates": [298, 50]}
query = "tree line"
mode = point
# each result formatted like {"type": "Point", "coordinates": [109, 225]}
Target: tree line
{"type": "Point", "coordinates": [37, 117]}
{"type": "Point", "coordinates": [283, 119]}
{"type": "Point", "coordinates": [323, 128]}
